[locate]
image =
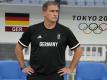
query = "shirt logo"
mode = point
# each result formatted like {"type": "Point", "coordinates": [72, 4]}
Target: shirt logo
{"type": "Point", "coordinates": [48, 44]}
{"type": "Point", "coordinates": [39, 37]}
{"type": "Point", "coordinates": [58, 36]}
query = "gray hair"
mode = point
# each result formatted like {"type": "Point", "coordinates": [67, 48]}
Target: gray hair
{"type": "Point", "coordinates": [46, 4]}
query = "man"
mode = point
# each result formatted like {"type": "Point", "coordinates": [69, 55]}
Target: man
{"type": "Point", "coordinates": [48, 43]}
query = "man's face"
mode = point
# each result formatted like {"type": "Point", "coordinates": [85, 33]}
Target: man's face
{"type": "Point", "coordinates": [51, 14]}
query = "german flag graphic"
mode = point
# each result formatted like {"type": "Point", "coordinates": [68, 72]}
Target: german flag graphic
{"type": "Point", "coordinates": [16, 22]}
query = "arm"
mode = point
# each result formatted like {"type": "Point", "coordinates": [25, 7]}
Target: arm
{"type": "Point", "coordinates": [20, 57]}
{"type": "Point", "coordinates": [75, 60]}
{"type": "Point", "coordinates": [76, 57]}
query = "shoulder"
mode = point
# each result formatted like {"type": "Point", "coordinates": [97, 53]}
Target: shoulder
{"type": "Point", "coordinates": [33, 28]}
{"type": "Point", "coordinates": [36, 25]}
{"type": "Point", "coordinates": [64, 28]}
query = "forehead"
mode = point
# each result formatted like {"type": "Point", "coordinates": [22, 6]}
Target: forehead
{"type": "Point", "coordinates": [52, 7]}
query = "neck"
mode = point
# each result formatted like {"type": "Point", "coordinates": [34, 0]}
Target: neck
{"type": "Point", "coordinates": [49, 25]}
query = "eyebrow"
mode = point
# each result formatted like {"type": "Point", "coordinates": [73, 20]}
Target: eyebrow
{"type": "Point", "coordinates": [55, 10]}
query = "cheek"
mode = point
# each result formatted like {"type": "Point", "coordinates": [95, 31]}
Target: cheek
{"type": "Point", "coordinates": [49, 15]}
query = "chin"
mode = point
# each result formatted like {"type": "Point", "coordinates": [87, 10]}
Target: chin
{"type": "Point", "coordinates": [54, 20]}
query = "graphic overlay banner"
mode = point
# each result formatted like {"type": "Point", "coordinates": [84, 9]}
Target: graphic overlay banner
{"type": "Point", "coordinates": [16, 22]}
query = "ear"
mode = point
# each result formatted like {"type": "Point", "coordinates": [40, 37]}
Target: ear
{"type": "Point", "coordinates": [43, 13]}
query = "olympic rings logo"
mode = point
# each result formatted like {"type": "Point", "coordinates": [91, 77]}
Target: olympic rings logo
{"type": "Point", "coordinates": [92, 27]}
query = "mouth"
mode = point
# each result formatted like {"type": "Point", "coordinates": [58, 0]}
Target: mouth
{"type": "Point", "coordinates": [55, 17]}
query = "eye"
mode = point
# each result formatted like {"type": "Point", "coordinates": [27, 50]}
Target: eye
{"type": "Point", "coordinates": [54, 11]}
{"type": "Point", "coordinates": [57, 10]}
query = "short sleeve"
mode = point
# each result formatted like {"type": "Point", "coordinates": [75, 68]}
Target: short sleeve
{"type": "Point", "coordinates": [71, 40]}
{"type": "Point", "coordinates": [25, 38]}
